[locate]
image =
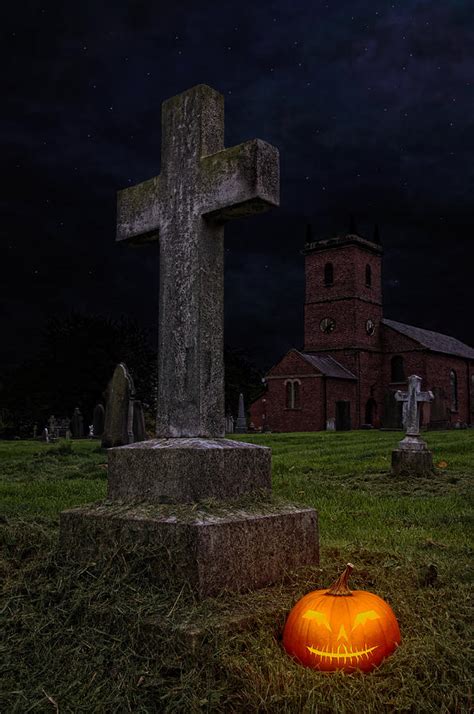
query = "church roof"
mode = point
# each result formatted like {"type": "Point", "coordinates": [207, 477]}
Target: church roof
{"type": "Point", "coordinates": [434, 341]}
{"type": "Point", "coordinates": [327, 365]}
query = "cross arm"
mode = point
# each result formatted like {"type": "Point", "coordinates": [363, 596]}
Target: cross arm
{"type": "Point", "coordinates": [240, 181]}
{"type": "Point", "coordinates": [138, 212]}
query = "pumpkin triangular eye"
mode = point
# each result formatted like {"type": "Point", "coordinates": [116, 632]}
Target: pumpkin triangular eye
{"type": "Point", "coordinates": [320, 617]}
{"type": "Point", "coordinates": [362, 617]}
{"type": "Point", "coordinates": [342, 633]}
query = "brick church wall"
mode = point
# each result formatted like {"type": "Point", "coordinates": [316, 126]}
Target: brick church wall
{"type": "Point", "coordinates": [341, 390]}
{"type": "Point", "coordinates": [439, 367]}
{"type": "Point", "coordinates": [308, 417]}
{"type": "Point", "coordinates": [351, 303]}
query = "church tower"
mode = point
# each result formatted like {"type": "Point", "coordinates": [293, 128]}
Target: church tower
{"type": "Point", "coordinates": [343, 301]}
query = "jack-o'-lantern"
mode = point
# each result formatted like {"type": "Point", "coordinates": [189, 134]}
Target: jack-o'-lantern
{"type": "Point", "coordinates": [341, 629]}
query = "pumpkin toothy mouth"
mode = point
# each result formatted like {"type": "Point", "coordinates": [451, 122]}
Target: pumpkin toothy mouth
{"type": "Point", "coordinates": [345, 655]}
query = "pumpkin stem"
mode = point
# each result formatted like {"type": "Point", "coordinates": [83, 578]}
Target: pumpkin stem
{"type": "Point", "coordinates": [339, 586]}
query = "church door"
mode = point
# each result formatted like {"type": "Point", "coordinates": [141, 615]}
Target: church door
{"type": "Point", "coordinates": [343, 416]}
{"type": "Point", "coordinates": [370, 411]}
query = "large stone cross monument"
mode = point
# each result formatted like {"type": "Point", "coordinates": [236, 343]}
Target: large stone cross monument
{"type": "Point", "coordinates": [200, 187]}
{"type": "Point", "coordinates": [412, 455]}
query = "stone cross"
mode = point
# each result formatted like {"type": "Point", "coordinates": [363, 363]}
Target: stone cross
{"type": "Point", "coordinates": [200, 187]}
{"type": "Point", "coordinates": [410, 400]}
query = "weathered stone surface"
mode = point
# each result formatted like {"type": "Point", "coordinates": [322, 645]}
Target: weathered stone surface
{"type": "Point", "coordinates": [411, 401]}
{"type": "Point", "coordinates": [185, 470]}
{"type": "Point", "coordinates": [412, 463]}
{"type": "Point", "coordinates": [201, 186]}
{"type": "Point", "coordinates": [118, 428]}
{"type": "Point", "coordinates": [237, 551]}
{"type": "Point", "coordinates": [412, 458]}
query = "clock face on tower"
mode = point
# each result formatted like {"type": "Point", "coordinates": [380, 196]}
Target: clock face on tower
{"type": "Point", "coordinates": [370, 327]}
{"type": "Point", "coordinates": [327, 325]}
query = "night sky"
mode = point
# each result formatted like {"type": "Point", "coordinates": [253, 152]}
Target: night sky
{"type": "Point", "coordinates": [370, 104]}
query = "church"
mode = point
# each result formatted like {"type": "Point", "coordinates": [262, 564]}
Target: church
{"type": "Point", "coordinates": [354, 359]}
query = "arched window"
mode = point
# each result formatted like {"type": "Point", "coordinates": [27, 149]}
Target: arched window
{"type": "Point", "coordinates": [292, 391]}
{"type": "Point", "coordinates": [368, 275]}
{"type": "Point", "coordinates": [453, 380]}
{"type": "Point", "coordinates": [397, 369]}
{"type": "Point", "coordinates": [296, 395]}
{"type": "Point", "coordinates": [328, 274]}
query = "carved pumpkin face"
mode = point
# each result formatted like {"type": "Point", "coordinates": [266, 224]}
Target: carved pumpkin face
{"type": "Point", "coordinates": [348, 631]}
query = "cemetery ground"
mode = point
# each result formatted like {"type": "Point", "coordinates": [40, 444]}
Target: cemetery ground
{"type": "Point", "coordinates": [104, 638]}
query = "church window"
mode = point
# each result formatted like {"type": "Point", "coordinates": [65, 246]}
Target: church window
{"type": "Point", "coordinates": [368, 275]}
{"type": "Point", "coordinates": [453, 379]}
{"type": "Point", "coordinates": [296, 395]}
{"type": "Point", "coordinates": [292, 394]}
{"type": "Point", "coordinates": [328, 274]}
{"type": "Point", "coordinates": [397, 369]}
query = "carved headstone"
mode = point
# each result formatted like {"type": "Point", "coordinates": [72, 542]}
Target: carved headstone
{"type": "Point", "coordinates": [118, 427]}
{"type": "Point", "coordinates": [52, 426]}
{"type": "Point", "coordinates": [412, 456]}
{"type": "Point", "coordinates": [201, 186]}
{"type": "Point", "coordinates": [98, 419]}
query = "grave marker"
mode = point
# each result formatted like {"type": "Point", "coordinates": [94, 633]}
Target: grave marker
{"type": "Point", "coordinates": [412, 456]}
{"type": "Point", "coordinates": [201, 186]}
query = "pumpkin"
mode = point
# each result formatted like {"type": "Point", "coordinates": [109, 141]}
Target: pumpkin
{"type": "Point", "coordinates": [340, 629]}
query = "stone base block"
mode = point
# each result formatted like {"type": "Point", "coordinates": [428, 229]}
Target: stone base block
{"type": "Point", "coordinates": [413, 443]}
{"type": "Point", "coordinates": [214, 549]}
{"type": "Point", "coordinates": [412, 463]}
{"type": "Point", "coordinates": [187, 470]}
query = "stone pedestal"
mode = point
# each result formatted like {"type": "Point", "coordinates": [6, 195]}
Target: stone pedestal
{"type": "Point", "coordinates": [412, 458]}
{"type": "Point", "coordinates": [187, 470]}
{"type": "Point", "coordinates": [214, 549]}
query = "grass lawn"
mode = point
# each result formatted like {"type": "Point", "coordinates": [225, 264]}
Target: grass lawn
{"type": "Point", "coordinates": [105, 638]}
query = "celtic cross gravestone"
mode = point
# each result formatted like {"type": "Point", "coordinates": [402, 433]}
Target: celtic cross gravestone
{"type": "Point", "coordinates": [412, 455]}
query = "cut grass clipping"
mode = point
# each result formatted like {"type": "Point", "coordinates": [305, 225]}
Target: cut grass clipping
{"type": "Point", "coordinates": [106, 638]}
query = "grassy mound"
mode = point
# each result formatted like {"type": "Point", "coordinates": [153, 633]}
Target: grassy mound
{"type": "Point", "coordinates": [106, 638]}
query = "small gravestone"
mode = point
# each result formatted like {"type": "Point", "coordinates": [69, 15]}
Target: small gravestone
{"type": "Point", "coordinates": [224, 546]}
{"type": "Point", "coordinates": [45, 435]}
{"type": "Point", "coordinates": [229, 424]}
{"type": "Point", "coordinates": [241, 424]}
{"type": "Point", "coordinates": [63, 427]}
{"type": "Point", "coordinates": [139, 432]}
{"type": "Point", "coordinates": [52, 427]}
{"type": "Point", "coordinates": [77, 424]}
{"type": "Point", "coordinates": [98, 420]}
{"type": "Point", "coordinates": [118, 426]}
{"type": "Point", "coordinates": [412, 458]}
